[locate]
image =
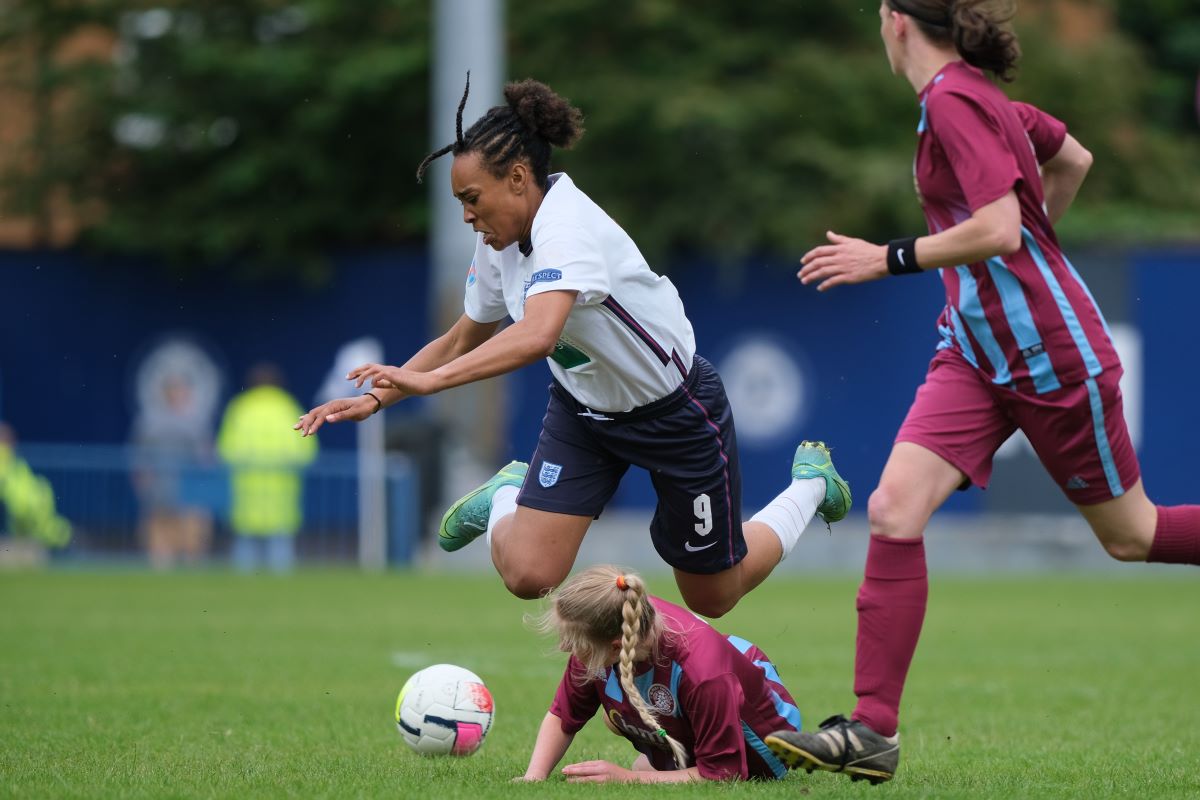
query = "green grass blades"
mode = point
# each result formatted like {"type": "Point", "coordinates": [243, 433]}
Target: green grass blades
{"type": "Point", "coordinates": [214, 685]}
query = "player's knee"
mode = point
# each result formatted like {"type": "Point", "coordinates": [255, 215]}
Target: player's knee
{"type": "Point", "coordinates": [711, 606]}
{"type": "Point", "coordinates": [886, 513]}
{"type": "Point", "coordinates": [1129, 550]}
{"type": "Point", "coordinates": [530, 584]}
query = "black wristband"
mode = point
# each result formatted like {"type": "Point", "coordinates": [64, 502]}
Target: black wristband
{"type": "Point", "coordinates": [902, 256]}
{"type": "Point", "coordinates": [375, 397]}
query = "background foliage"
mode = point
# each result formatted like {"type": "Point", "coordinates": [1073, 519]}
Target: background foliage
{"type": "Point", "coordinates": [266, 133]}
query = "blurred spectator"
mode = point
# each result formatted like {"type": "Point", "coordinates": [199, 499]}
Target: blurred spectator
{"type": "Point", "coordinates": [265, 457]}
{"type": "Point", "coordinates": [27, 499]}
{"type": "Point", "coordinates": [172, 440]}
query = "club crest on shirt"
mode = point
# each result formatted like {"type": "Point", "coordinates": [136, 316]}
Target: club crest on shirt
{"type": "Point", "coordinates": [549, 474]}
{"type": "Point", "coordinates": [472, 275]}
{"type": "Point", "coordinates": [660, 697]}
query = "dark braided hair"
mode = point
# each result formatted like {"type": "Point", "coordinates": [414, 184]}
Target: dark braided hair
{"type": "Point", "coordinates": [979, 29]}
{"type": "Point", "coordinates": [534, 120]}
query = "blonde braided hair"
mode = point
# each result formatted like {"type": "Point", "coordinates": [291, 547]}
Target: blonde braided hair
{"type": "Point", "coordinates": [590, 610]}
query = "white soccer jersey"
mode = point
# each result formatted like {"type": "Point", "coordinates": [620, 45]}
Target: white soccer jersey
{"type": "Point", "coordinates": [627, 341]}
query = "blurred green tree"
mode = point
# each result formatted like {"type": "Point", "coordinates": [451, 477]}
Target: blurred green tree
{"type": "Point", "coordinates": [262, 133]}
{"type": "Point", "coordinates": [254, 133]}
{"type": "Point", "coordinates": [39, 65]}
{"type": "Point", "coordinates": [743, 129]}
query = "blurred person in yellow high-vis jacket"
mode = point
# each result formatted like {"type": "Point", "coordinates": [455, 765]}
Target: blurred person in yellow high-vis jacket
{"type": "Point", "coordinates": [266, 461]}
{"type": "Point", "coordinates": [26, 499]}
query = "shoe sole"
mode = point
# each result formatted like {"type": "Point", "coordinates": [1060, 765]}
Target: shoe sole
{"type": "Point", "coordinates": [797, 758]}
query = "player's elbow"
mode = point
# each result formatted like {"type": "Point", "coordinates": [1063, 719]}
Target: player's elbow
{"type": "Point", "coordinates": [541, 343]}
{"type": "Point", "coordinates": [1083, 161]}
{"type": "Point", "coordinates": [1006, 240]}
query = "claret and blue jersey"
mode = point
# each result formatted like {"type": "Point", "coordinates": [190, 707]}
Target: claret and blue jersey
{"type": "Point", "coordinates": [1026, 320]}
{"type": "Point", "coordinates": [718, 696]}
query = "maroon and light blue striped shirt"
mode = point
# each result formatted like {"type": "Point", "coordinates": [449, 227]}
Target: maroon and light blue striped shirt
{"type": "Point", "coordinates": [1026, 320]}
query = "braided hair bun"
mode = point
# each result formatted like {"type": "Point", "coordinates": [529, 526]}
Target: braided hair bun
{"type": "Point", "coordinates": [545, 112]}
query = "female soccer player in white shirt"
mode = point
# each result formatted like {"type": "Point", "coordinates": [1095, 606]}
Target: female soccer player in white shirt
{"type": "Point", "coordinates": [628, 386]}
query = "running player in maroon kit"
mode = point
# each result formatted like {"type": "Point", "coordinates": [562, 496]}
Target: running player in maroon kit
{"type": "Point", "coordinates": [1023, 346]}
{"type": "Point", "coordinates": [695, 703]}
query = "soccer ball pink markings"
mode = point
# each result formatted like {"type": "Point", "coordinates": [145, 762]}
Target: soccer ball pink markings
{"type": "Point", "coordinates": [444, 710]}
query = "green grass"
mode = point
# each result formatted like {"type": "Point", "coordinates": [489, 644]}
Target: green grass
{"type": "Point", "coordinates": [212, 685]}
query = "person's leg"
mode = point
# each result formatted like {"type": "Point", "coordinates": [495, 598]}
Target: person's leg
{"type": "Point", "coordinates": [280, 552]}
{"type": "Point", "coordinates": [952, 431]}
{"type": "Point", "coordinates": [244, 554]}
{"type": "Point", "coordinates": [535, 516]}
{"type": "Point", "coordinates": [891, 610]}
{"type": "Point", "coordinates": [534, 550]}
{"type": "Point", "coordinates": [1080, 435]}
{"type": "Point", "coordinates": [816, 490]}
{"type": "Point", "coordinates": [1132, 528]}
{"type": "Point", "coordinates": [770, 535]}
{"type": "Point", "coordinates": [892, 597]}
{"type": "Point", "coordinates": [157, 531]}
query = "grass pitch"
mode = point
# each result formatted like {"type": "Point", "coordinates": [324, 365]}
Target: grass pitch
{"type": "Point", "coordinates": [215, 685]}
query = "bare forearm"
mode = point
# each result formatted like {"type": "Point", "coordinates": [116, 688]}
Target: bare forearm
{"type": "Point", "coordinates": [1063, 175]}
{"type": "Point", "coordinates": [516, 346]}
{"type": "Point", "coordinates": [1060, 188]}
{"type": "Point", "coordinates": [548, 750]}
{"type": "Point", "coordinates": [966, 243]}
{"type": "Point", "coordinates": [454, 343]}
{"type": "Point", "coordinates": [668, 776]}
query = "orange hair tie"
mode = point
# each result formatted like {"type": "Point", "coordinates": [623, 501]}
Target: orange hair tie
{"type": "Point", "coordinates": [621, 584]}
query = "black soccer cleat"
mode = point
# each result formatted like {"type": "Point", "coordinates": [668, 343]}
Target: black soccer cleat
{"type": "Point", "coordinates": [840, 745]}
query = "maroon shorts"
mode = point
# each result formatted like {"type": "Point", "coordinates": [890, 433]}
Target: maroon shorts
{"type": "Point", "coordinates": [1078, 431]}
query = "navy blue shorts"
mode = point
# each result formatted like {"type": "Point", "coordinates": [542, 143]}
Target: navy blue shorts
{"type": "Point", "coordinates": [685, 441]}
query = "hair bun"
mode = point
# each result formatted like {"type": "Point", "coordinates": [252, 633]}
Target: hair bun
{"type": "Point", "coordinates": [545, 112]}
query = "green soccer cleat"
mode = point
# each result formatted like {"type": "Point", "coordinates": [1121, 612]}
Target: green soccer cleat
{"type": "Point", "coordinates": [467, 519]}
{"type": "Point", "coordinates": [813, 460]}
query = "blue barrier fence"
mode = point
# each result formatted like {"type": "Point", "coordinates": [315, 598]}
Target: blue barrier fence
{"type": "Point", "coordinates": [95, 490]}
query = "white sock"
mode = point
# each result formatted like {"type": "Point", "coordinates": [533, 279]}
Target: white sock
{"type": "Point", "coordinates": [504, 502]}
{"type": "Point", "coordinates": [789, 513]}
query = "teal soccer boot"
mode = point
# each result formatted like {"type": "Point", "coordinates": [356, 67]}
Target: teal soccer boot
{"type": "Point", "coordinates": [467, 519]}
{"type": "Point", "coordinates": [814, 461]}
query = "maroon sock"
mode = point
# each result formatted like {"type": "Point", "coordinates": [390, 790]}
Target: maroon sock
{"type": "Point", "coordinates": [891, 608]}
{"type": "Point", "coordinates": [1177, 536]}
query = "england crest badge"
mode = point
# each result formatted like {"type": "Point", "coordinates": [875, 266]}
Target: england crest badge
{"type": "Point", "coordinates": [549, 474]}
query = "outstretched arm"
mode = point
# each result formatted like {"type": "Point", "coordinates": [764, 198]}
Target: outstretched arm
{"type": "Point", "coordinates": [608, 772]}
{"type": "Point", "coordinates": [464, 336]}
{"type": "Point", "coordinates": [549, 748]}
{"type": "Point", "coordinates": [1062, 176]}
{"type": "Point", "coordinates": [993, 230]}
{"type": "Point", "coordinates": [518, 345]}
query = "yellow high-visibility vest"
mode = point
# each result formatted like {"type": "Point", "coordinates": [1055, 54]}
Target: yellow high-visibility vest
{"type": "Point", "coordinates": [266, 458]}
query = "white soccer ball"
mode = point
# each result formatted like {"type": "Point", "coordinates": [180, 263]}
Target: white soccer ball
{"type": "Point", "coordinates": [444, 710]}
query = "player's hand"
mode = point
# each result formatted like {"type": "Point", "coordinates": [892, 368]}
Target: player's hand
{"type": "Point", "coordinates": [382, 376]}
{"type": "Point", "coordinates": [597, 772]}
{"type": "Point", "coordinates": [351, 408]}
{"type": "Point", "coordinates": [843, 261]}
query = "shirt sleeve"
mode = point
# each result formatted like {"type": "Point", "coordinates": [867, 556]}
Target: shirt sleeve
{"type": "Point", "coordinates": [574, 703]}
{"type": "Point", "coordinates": [483, 300]}
{"type": "Point", "coordinates": [975, 146]}
{"type": "Point", "coordinates": [714, 709]}
{"type": "Point", "coordinates": [1045, 132]}
{"type": "Point", "coordinates": [568, 258]}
